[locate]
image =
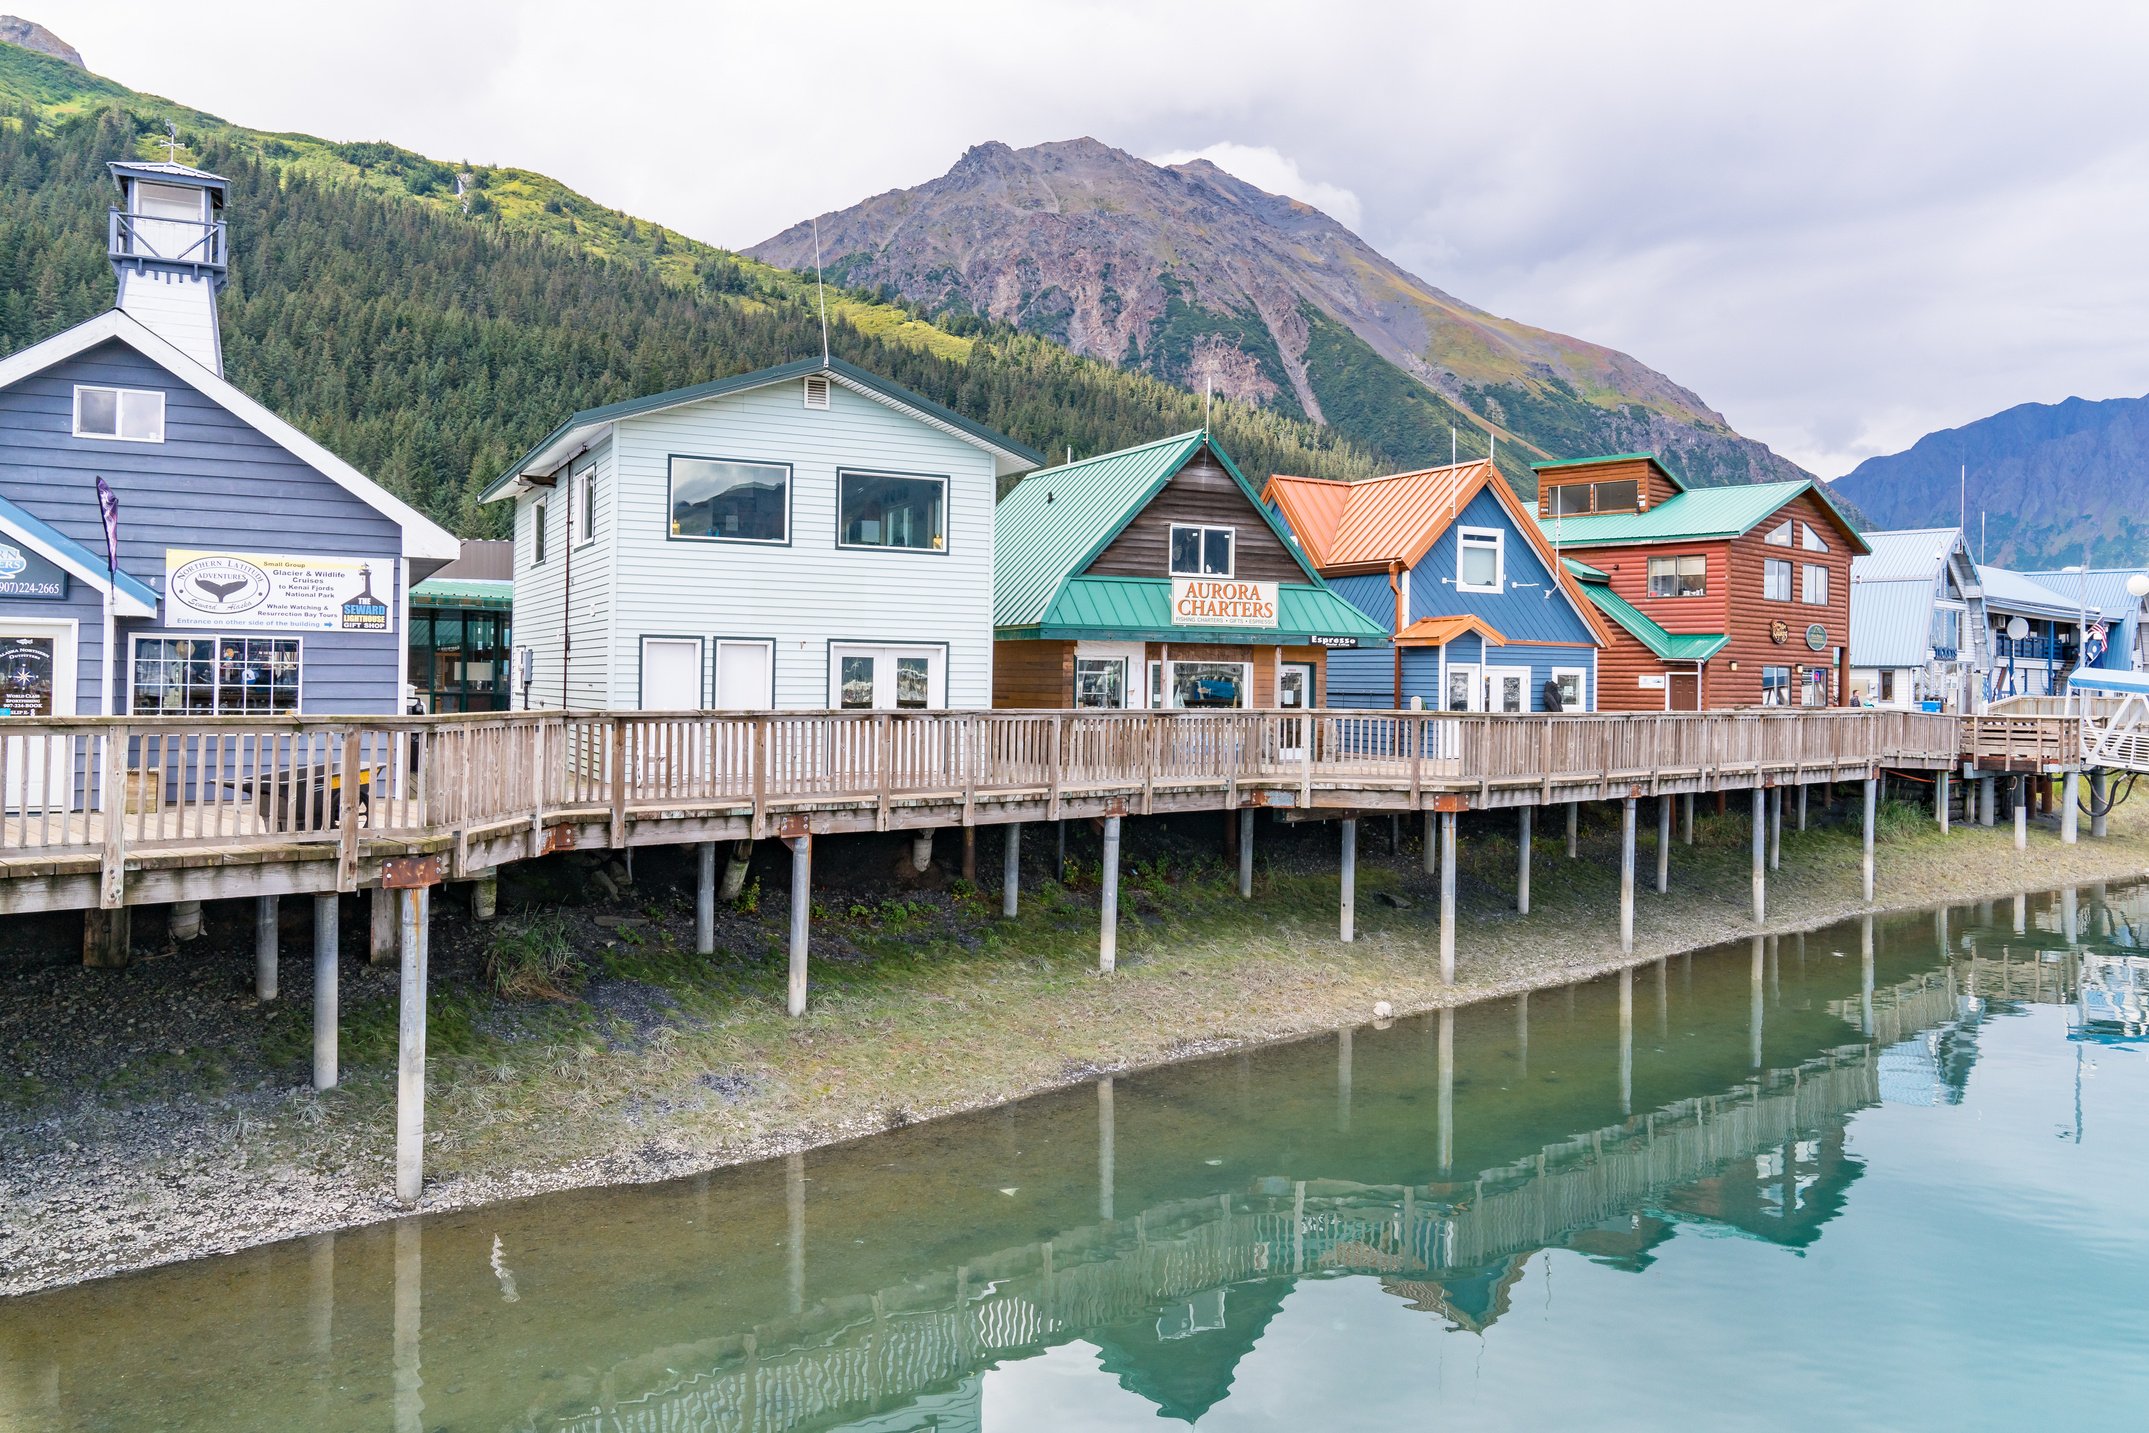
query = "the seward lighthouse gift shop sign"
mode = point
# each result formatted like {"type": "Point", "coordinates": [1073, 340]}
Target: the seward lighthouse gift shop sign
{"type": "Point", "coordinates": [1222, 602]}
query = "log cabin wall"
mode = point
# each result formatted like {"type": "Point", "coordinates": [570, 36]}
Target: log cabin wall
{"type": "Point", "coordinates": [1621, 664]}
{"type": "Point", "coordinates": [1032, 674]}
{"type": "Point", "coordinates": [1654, 486]}
{"type": "Point", "coordinates": [1753, 619]}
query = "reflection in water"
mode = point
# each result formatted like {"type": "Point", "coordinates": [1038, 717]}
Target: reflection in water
{"type": "Point", "coordinates": [1772, 1086]}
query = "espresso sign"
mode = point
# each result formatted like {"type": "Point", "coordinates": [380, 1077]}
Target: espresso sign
{"type": "Point", "coordinates": [274, 592]}
{"type": "Point", "coordinates": [1222, 602]}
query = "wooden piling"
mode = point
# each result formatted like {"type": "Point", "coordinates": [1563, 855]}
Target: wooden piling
{"type": "Point", "coordinates": [265, 948]}
{"type": "Point", "coordinates": [1775, 828]}
{"type": "Point", "coordinates": [705, 898]}
{"type": "Point", "coordinates": [326, 939]}
{"type": "Point", "coordinates": [1988, 801]}
{"type": "Point", "coordinates": [1686, 818]}
{"type": "Point", "coordinates": [1108, 900]}
{"type": "Point", "coordinates": [2099, 795]}
{"type": "Point", "coordinates": [107, 937]}
{"type": "Point", "coordinates": [1574, 829]}
{"type": "Point", "coordinates": [1872, 804]}
{"type": "Point", "coordinates": [2023, 797]}
{"type": "Point", "coordinates": [1523, 842]}
{"type": "Point", "coordinates": [1663, 845]}
{"type": "Point", "coordinates": [1349, 881]}
{"type": "Point", "coordinates": [801, 919]}
{"type": "Point", "coordinates": [1941, 793]}
{"type": "Point", "coordinates": [2070, 808]}
{"type": "Point", "coordinates": [410, 1047]}
{"type": "Point", "coordinates": [1429, 858]}
{"type": "Point", "coordinates": [1011, 869]}
{"type": "Point", "coordinates": [383, 926]}
{"type": "Point", "coordinates": [1246, 853]}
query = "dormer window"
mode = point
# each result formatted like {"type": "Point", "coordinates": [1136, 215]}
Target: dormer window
{"type": "Point", "coordinates": [816, 390]}
{"type": "Point", "coordinates": [130, 415]}
{"type": "Point", "coordinates": [1622, 496]}
{"type": "Point", "coordinates": [1570, 500]}
{"type": "Point", "coordinates": [1202, 551]}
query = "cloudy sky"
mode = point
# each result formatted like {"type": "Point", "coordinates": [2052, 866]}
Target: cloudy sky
{"type": "Point", "coordinates": [1842, 225]}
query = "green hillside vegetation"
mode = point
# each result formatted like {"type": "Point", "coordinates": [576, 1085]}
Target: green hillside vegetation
{"type": "Point", "coordinates": [430, 338]}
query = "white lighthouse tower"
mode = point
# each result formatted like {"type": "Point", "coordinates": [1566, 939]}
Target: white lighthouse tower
{"type": "Point", "coordinates": [167, 244]}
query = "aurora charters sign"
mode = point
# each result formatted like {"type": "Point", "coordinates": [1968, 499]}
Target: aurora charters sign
{"type": "Point", "coordinates": [1222, 602]}
{"type": "Point", "coordinates": [268, 591]}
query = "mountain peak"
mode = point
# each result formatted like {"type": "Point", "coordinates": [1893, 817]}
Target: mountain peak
{"type": "Point", "coordinates": [30, 35]}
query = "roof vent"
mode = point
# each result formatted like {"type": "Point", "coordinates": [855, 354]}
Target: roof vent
{"type": "Point", "coordinates": [816, 390]}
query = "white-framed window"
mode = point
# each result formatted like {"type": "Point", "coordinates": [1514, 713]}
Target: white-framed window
{"type": "Point", "coordinates": [1100, 682]}
{"type": "Point", "coordinates": [905, 511]}
{"type": "Point", "coordinates": [204, 675]}
{"type": "Point", "coordinates": [721, 500]}
{"type": "Point", "coordinates": [1507, 690]}
{"type": "Point", "coordinates": [1679, 576]}
{"type": "Point", "coordinates": [1202, 551]}
{"type": "Point", "coordinates": [1813, 585]}
{"type": "Point", "coordinates": [1463, 693]}
{"type": "Point", "coordinates": [1779, 536]}
{"type": "Point", "coordinates": [1775, 579]}
{"type": "Point", "coordinates": [1480, 559]}
{"type": "Point", "coordinates": [864, 677]}
{"type": "Point", "coordinates": [1201, 684]}
{"type": "Point", "coordinates": [1572, 684]}
{"type": "Point", "coordinates": [1776, 686]}
{"type": "Point", "coordinates": [586, 507]}
{"type": "Point", "coordinates": [537, 533]}
{"type": "Point", "coordinates": [1812, 540]}
{"type": "Point", "coordinates": [126, 415]}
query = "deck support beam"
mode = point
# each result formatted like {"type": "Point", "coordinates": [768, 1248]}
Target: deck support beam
{"type": "Point", "coordinates": [2070, 808]}
{"type": "Point", "coordinates": [107, 937]}
{"type": "Point", "coordinates": [1760, 855]}
{"type": "Point", "coordinates": [2099, 794]}
{"type": "Point", "coordinates": [1011, 870]}
{"type": "Point", "coordinates": [265, 948]}
{"type": "Point", "coordinates": [1523, 842]}
{"type": "Point", "coordinates": [735, 871]}
{"type": "Point", "coordinates": [327, 937]}
{"type": "Point", "coordinates": [705, 898]}
{"type": "Point", "coordinates": [1988, 801]}
{"type": "Point", "coordinates": [185, 921]}
{"type": "Point", "coordinates": [801, 921]}
{"type": "Point", "coordinates": [1574, 829]}
{"type": "Point", "coordinates": [410, 1045]}
{"type": "Point", "coordinates": [1686, 819]}
{"type": "Point", "coordinates": [2022, 813]}
{"type": "Point", "coordinates": [1872, 803]}
{"type": "Point", "coordinates": [383, 926]}
{"type": "Point", "coordinates": [1349, 913]}
{"type": "Point", "coordinates": [1246, 853]}
{"type": "Point", "coordinates": [1663, 844]}
{"type": "Point", "coordinates": [1626, 873]}
{"type": "Point", "coordinates": [1108, 900]}
{"type": "Point", "coordinates": [1804, 787]}
{"type": "Point", "coordinates": [1941, 802]}
{"type": "Point", "coordinates": [485, 898]}
{"type": "Point", "coordinates": [1430, 856]}
{"type": "Point", "coordinates": [1775, 828]}
{"type": "Point", "coordinates": [1447, 898]}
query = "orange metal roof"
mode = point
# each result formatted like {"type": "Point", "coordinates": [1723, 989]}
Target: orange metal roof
{"type": "Point", "coordinates": [1375, 521]}
{"type": "Point", "coordinates": [1439, 631]}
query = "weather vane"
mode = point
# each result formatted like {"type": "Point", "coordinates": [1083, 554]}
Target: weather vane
{"type": "Point", "coordinates": [171, 142]}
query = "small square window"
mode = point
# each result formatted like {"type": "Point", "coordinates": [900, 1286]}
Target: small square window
{"type": "Point", "coordinates": [1201, 551]}
{"type": "Point", "coordinates": [1478, 561]}
{"type": "Point", "coordinates": [132, 415]}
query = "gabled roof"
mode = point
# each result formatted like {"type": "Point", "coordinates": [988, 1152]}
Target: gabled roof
{"type": "Point", "coordinates": [1439, 631]}
{"type": "Point", "coordinates": [1056, 521]}
{"type": "Point", "coordinates": [164, 169]}
{"type": "Point", "coordinates": [1695, 515]}
{"type": "Point", "coordinates": [556, 447]}
{"type": "Point", "coordinates": [2007, 591]}
{"type": "Point", "coordinates": [1364, 524]}
{"type": "Point", "coordinates": [131, 597]}
{"type": "Point", "coordinates": [422, 537]}
{"type": "Point", "coordinates": [2108, 595]}
{"type": "Point", "coordinates": [1665, 646]}
{"type": "Point", "coordinates": [1908, 552]}
{"type": "Point", "coordinates": [1650, 458]}
{"type": "Point", "coordinates": [1892, 622]}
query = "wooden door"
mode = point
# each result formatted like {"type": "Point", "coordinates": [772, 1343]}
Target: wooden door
{"type": "Point", "coordinates": [1682, 691]}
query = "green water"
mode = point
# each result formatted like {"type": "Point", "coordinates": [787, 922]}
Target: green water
{"type": "Point", "coordinates": [1780, 1185]}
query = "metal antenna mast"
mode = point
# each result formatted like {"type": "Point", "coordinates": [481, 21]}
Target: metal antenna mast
{"type": "Point", "coordinates": [820, 289]}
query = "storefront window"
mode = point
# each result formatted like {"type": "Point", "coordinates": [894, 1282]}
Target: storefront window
{"type": "Point", "coordinates": [208, 676]}
{"type": "Point", "coordinates": [458, 659]}
{"type": "Point", "coordinates": [1101, 682]}
{"type": "Point", "coordinates": [1775, 686]}
{"type": "Point", "coordinates": [1202, 684]}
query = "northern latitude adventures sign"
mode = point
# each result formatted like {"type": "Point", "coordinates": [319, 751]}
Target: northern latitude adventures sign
{"type": "Point", "coordinates": [267, 591]}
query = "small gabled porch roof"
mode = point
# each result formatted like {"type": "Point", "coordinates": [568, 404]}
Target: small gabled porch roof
{"type": "Point", "coordinates": [1439, 631]}
{"type": "Point", "coordinates": [131, 597]}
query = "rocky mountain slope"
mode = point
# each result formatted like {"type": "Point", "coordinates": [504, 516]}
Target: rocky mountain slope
{"type": "Point", "coordinates": [1197, 277]}
{"type": "Point", "coordinates": [2047, 479]}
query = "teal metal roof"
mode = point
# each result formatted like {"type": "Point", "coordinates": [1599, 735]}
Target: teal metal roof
{"type": "Point", "coordinates": [463, 592]}
{"type": "Point", "coordinates": [1666, 646]}
{"type": "Point", "coordinates": [1024, 457]}
{"type": "Point", "coordinates": [1054, 522]}
{"type": "Point", "coordinates": [1139, 608]}
{"type": "Point", "coordinates": [1697, 513]}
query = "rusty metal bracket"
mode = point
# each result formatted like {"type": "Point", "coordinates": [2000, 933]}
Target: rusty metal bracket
{"type": "Point", "coordinates": [409, 873]}
{"type": "Point", "coordinates": [557, 838]}
{"type": "Point", "coordinates": [793, 827]}
{"type": "Point", "coordinates": [1451, 801]}
{"type": "Point", "coordinates": [1115, 808]}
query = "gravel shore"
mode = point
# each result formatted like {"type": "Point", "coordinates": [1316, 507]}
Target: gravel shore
{"type": "Point", "coordinates": [159, 1113]}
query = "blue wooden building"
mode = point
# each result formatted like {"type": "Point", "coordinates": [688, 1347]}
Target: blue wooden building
{"type": "Point", "coordinates": [256, 572]}
{"type": "Point", "coordinates": [1450, 562]}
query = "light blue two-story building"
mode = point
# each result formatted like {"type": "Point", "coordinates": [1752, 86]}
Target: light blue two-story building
{"type": "Point", "coordinates": [1483, 616]}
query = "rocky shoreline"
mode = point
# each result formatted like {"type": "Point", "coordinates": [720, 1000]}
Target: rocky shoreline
{"type": "Point", "coordinates": [155, 1114]}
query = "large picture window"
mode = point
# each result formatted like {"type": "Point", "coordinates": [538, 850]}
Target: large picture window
{"type": "Point", "coordinates": [1201, 551]}
{"type": "Point", "coordinates": [722, 501]}
{"type": "Point", "coordinates": [1200, 684]}
{"type": "Point", "coordinates": [890, 510]}
{"type": "Point", "coordinates": [210, 676]}
{"type": "Point", "coordinates": [1678, 576]}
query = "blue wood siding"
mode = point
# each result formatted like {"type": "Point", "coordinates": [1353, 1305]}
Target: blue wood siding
{"type": "Point", "coordinates": [1519, 613]}
{"type": "Point", "coordinates": [214, 482]}
{"type": "Point", "coordinates": [1369, 593]}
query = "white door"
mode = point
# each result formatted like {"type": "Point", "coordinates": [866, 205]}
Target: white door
{"type": "Point", "coordinates": [745, 673]}
{"type": "Point", "coordinates": [1294, 693]}
{"type": "Point", "coordinates": [1463, 693]}
{"type": "Point", "coordinates": [873, 678]}
{"type": "Point", "coordinates": [671, 674]}
{"type": "Point", "coordinates": [1507, 690]}
{"type": "Point", "coordinates": [37, 679]}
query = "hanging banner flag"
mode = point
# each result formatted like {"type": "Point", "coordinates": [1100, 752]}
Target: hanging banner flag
{"type": "Point", "coordinates": [268, 591]}
{"type": "Point", "coordinates": [108, 509]}
{"type": "Point", "coordinates": [1222, 602]}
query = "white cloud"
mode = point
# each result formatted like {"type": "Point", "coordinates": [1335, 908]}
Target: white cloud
{"type": "Point", "coordinates": [1278, 173]}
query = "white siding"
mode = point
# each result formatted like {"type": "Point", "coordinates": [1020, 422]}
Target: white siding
{"type": "Point", "coordinates": [178, 308]}
{"type": "Point", "coordinates": [810, 592]}
{"type": "Point", "coordinates": [540, 590]}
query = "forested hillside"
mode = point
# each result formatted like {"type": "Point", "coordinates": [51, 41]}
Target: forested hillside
{"type": "Point", "coordinates": [429, 338]}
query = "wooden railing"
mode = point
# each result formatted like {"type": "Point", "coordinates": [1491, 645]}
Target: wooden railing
{"type": "Point", "coordinates": [114, 787]}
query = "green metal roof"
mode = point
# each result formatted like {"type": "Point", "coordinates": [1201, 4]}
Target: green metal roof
{"type": "Point", "coordinates": [1666, 646]}
{"type": "Point", "coordinates": [463, 592]}
{"type": "Point", "coordinates": [1054, 522]}
{"type": "Point", "coordinates": [1139, 609]}
{"type": "Point", "coordinates": [1697, 513]}
{"type": "Point", "coordinates": [1025, 457]}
